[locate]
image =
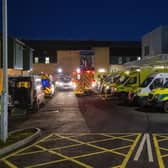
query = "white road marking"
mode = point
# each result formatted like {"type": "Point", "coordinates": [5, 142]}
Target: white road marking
{"type": "Point", "coordinates": [139, 151]}
{"type": "Point", "coordinates": [146, 138]}
{"type": "Point", "coordinates": [149, 148]}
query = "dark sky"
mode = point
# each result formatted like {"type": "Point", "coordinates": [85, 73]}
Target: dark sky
{"type": "Point", "coordinates": [85, 19]}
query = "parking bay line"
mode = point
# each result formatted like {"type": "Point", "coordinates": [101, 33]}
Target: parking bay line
{"type": "Point", "coordinates": [146, 138]}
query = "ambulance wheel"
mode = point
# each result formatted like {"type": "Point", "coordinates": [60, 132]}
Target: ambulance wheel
{"type": "Point", "coordinates": [142, 103]}
{"type": "Point", "coordinates": [165, 107]}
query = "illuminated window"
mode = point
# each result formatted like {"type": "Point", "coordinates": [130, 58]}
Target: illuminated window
{"type": "Point", "coordinates": [47, 60]}
{"type": "Point", "coordinates": [36, 60]}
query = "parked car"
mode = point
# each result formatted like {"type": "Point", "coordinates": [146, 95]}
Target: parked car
{"type": "Point", "coordinates": [26, 92]}
{"type": "Point", "coordinates": [65, 83]}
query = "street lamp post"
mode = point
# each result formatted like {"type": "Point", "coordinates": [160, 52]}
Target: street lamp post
{"type": "Point", "coordinates": [4, 98]}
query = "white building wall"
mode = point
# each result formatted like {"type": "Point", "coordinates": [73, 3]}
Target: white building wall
{"type": "Point", "coordinates": [153, 40]}
{"type": "Point", "coordinates": [165, 39]}
{"type": "Point", "coordinates": [156, 40]}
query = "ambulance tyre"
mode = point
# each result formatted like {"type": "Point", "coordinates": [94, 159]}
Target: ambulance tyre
{"type": "Point", "coordinates": [165, 107]}
{"type": "Point", "coordinates": [142, 103]}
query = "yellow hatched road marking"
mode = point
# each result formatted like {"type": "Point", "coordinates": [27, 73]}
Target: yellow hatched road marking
{"type": "Point", "coordinates": [116, 166]}
{"type": "Point", "coordinates": [54, 139]}
{"type": "Point", "coordinates": [166, 155]}
{"type": "Point", "coordinates": [121, 137]}
{"type": "Point", "coordinates": [87, 133]}
{"type": "Point", "coordinates": [97, 147]}
{"type": "Point", "coordinates": [101, 140]}
{"type": "Point", "coordinates": [165, 149]}
{"type": "Point", "coordinates": [29, 153]}
{"type": "Point", "coordinates": [64, 147]}
{"type": "Point", "coordinates": [123, 147]}
{"type": "Point", "coordinates": [27, 147]}
{"type": "Point", "coordinates": [45, 164]}
{"type": "Point", "coordinates": [124, 163]}
{"type": "Point", "coordinates": [11, 165]}
{"type": "Point", "coordinates": [39, 151]}
{"type": "Point", "coordinates": [159, 157]}
{"type": "Point", "coordinates": [66, 157]}
{"type": "Point", "coordinates": [89, 154]}
{"type": "Point", "coordinates": [45, 139]}
{"type": "Point", "coordinates": [164, 138]}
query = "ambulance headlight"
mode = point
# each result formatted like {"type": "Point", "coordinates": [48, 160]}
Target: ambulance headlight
{"type": "Point", "coordinates": [107, 87]}
{"type": "Point", "coordinates": [60, 84]}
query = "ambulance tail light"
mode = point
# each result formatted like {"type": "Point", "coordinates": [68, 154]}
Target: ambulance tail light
{"type": "Point", "coordinates": [74, 85]}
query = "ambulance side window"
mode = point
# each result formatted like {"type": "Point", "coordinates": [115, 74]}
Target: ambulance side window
{"type": "Point", "coordinates": [157, 83]}
{"type": "Point", "coordinates": [166, 80]}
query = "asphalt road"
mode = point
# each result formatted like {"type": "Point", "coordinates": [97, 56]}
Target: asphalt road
{"type": "Point", "coordinates": [88, 131]}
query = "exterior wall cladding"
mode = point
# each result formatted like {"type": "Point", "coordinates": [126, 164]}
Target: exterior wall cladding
{"type": "Point", "coordinates": [105, 52]}
{"type": "Point", "coordinates": [155, 42]}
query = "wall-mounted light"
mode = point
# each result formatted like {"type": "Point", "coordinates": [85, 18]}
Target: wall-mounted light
{"type": "Point", "coordinates": [101, 70]}
{"type": "Point", "coordinates": [59, 70]}
{"type": "Point", "coordinates": [139, 58]}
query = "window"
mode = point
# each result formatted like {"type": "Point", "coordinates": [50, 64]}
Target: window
{"type": "Point", "coordinates": [119, 60]}
{"type": "Point", "coordinates": [131, 80]}
{"type": "Point", "coordinates": [157, 83]}
{"type": "Point", "coordinates": [36, 60]}
{"type": "Point", "coordinates": [147, 82]}
{"type": "Point", "coordinates": [146, 50]}
{"type": "Point", "coordinates": [127, 59]}
{"type": "Point", "coordinates": [47, 60]}
{"type": "Point", "coordinates": [166, 84]}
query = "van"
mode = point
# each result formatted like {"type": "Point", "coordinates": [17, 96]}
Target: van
{"type": "Point", "coordinates": [159, 97]}
{"type": "Point", "coordinates": [153, 81]}
{"type": "Point", "coordinates": [135, 79]}
{"type": "Point", "coordinates": [26, 92]}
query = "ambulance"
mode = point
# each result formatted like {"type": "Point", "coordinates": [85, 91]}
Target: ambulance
{"type": "Point", "coordinates": [159, 97]}
{"type": "Point", "coordinates": [153, 81]}
{"type": "Point", "coordinates": [136, 77]}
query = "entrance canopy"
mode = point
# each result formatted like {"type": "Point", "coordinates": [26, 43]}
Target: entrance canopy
{"type": "Point", "coordinates": [157, 60]}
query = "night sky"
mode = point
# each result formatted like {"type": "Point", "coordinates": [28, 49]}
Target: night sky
{"type": "Point", "coordinates": [121, 20]}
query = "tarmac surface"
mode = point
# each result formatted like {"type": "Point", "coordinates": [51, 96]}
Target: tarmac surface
{"type": "Point", "coordinates": [89, 131]}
